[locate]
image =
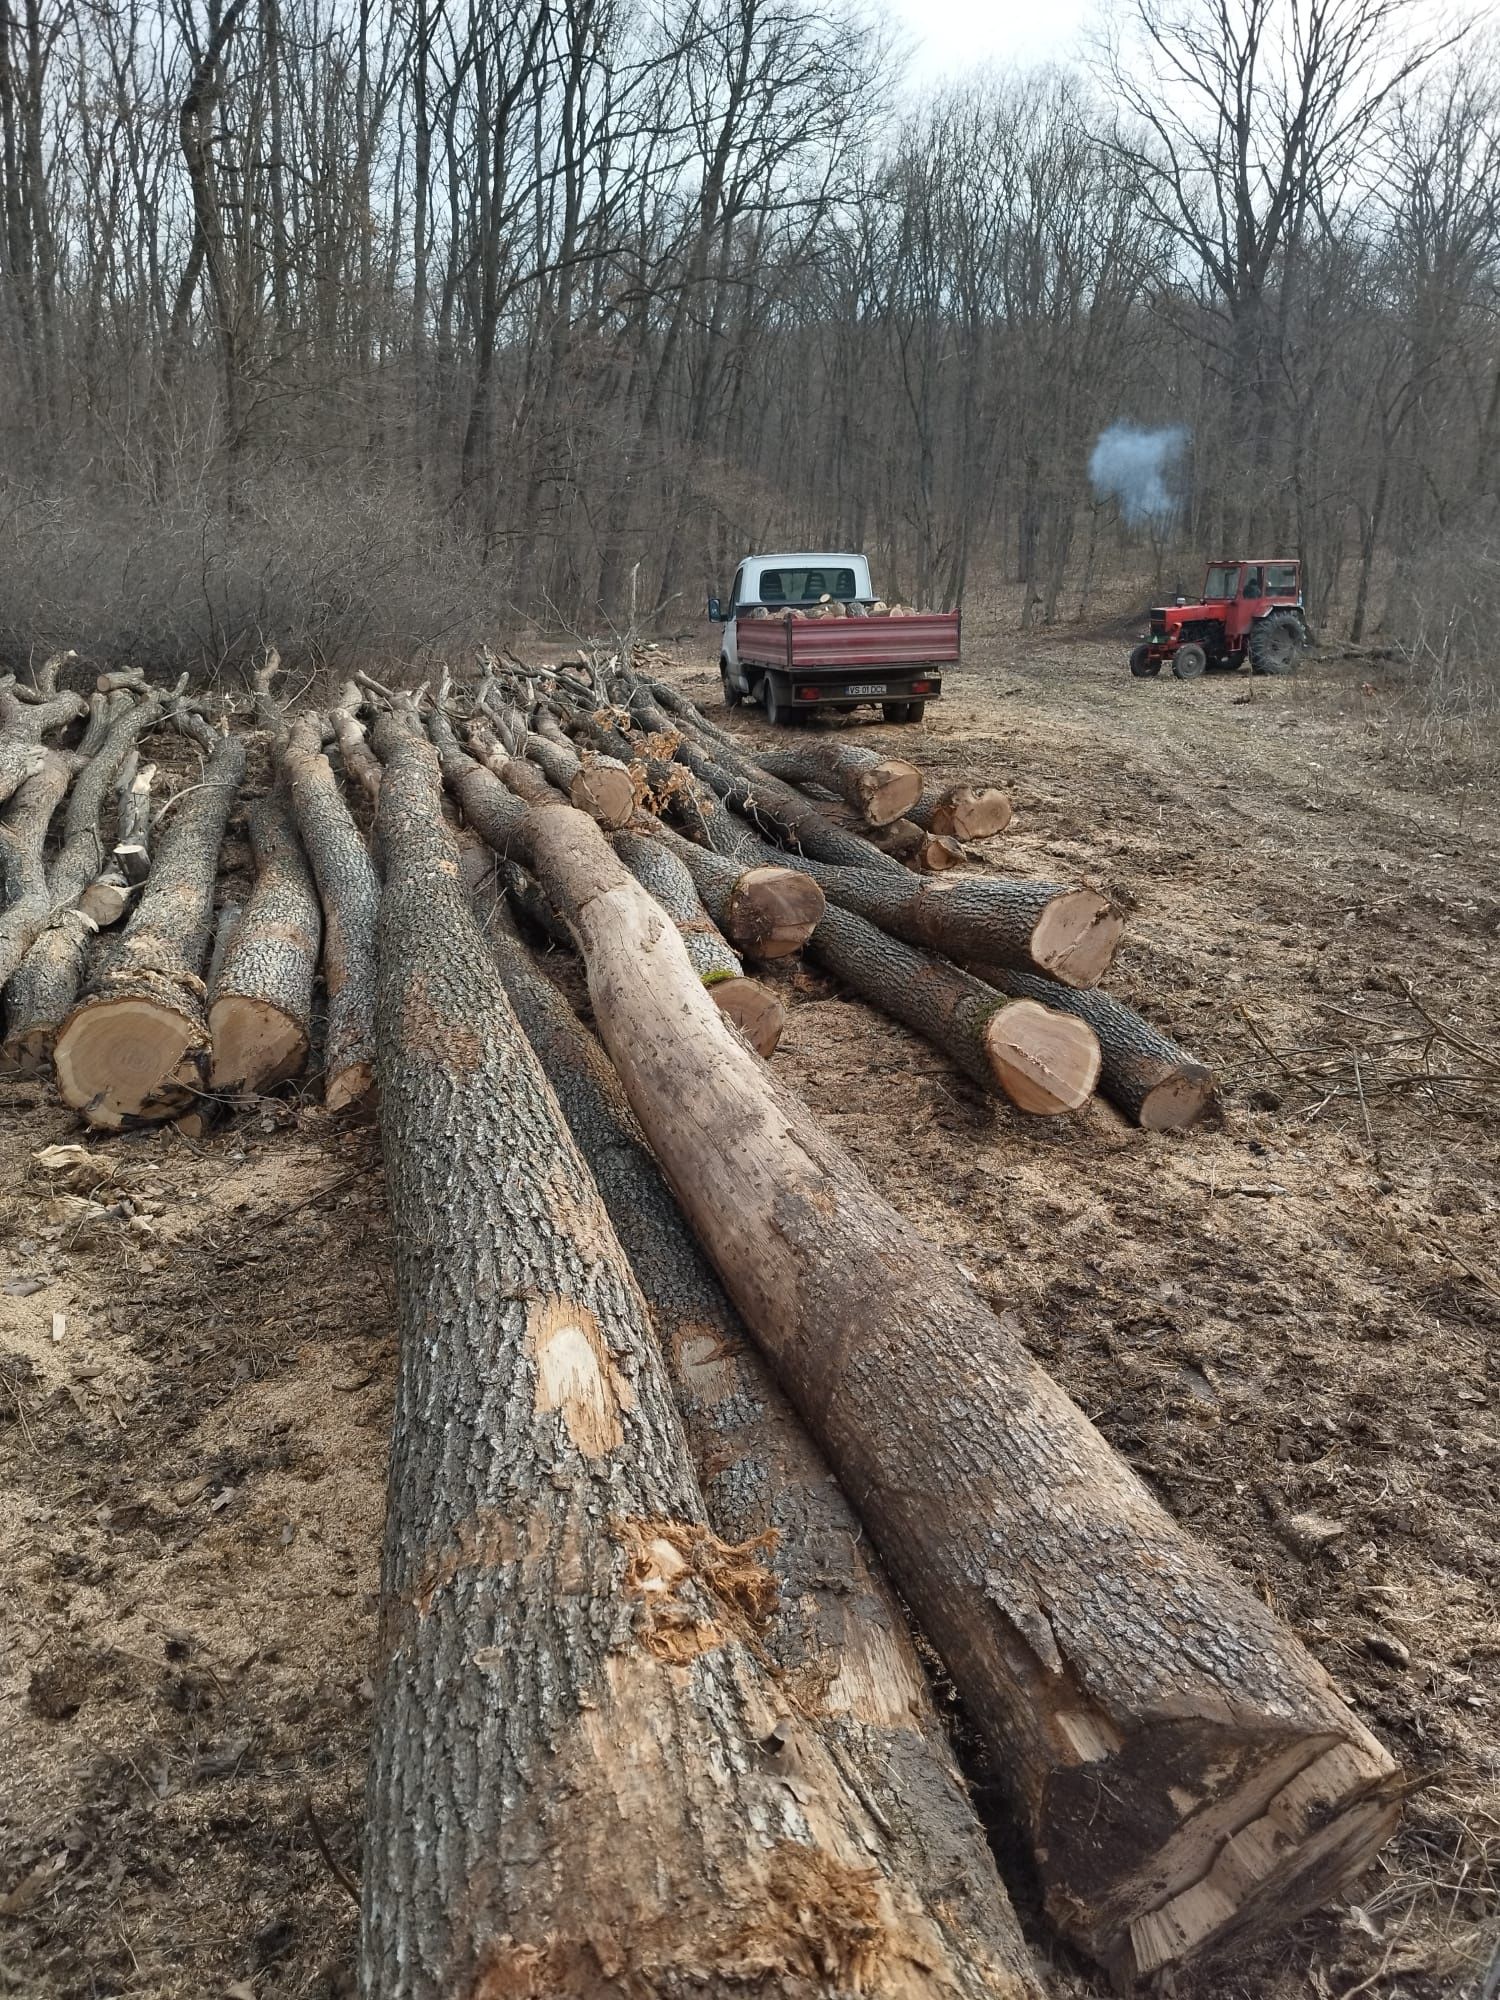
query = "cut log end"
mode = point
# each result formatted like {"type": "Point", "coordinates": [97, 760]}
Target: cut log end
{"type": "Point", "coordinates": [1304, 1846]}
{"type": "Point", "coordinates": [128, 1059]}
{"type": "Point", "coordinates": [934, 853]}
{"type": "Point", "coordinates": [1179, 1100]}
{"type": "Point", "coordinates": [972, 812]}
{"type": "Point", "coordinates": [888, 790]}
{"type": "Point", "coordinates": [352, 1090]}
{"type": "Point", "coordinates": [105, 901]}
{"type": "Point", "coordinates": [605, 793]}
{"type": "Point", "coordinates": [255, 1045]}
{"type": "Point", "coordinates": [1076, 937]}
{"type": "Point", "coordinates": [754, 1010]}
{"type": "Point", "coordinates": [1045, 1062]}
{"type": "Point", "coordinates": [773, 911]}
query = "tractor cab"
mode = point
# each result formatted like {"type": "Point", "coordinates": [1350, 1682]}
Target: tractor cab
{"type": "Point", "coordinates": [1251, 608]}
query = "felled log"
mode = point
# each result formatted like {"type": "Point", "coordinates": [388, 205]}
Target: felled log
{"type": "Point", "coordinates": [1152, 1079]}
{"type": "Point", "coordinates": [753, 1008]}
{"type": "Point", "coordinates": [923, 852]}
{"type": "Point", "coordinates": [877, 788]}
{"type": "Point", "coordinates": [967, 812]}
{"type": "Point", "coordinates": [25, 905]}
{"type": "Point", "coordinates": [836, 1634]}
{"type": "Point", "coordinates": [260, 1002]}
{"type": "Point", "coordinates": [1069, 935]}
{"type": "Point", "coordinates": [767, 911]}
{"type": "Point", "coordinates": [1185, 1770]}
{"type": "Point", "coordinates": [135, 1046]}
{"type": "Point", "coordinates": [582, 1780]}
{"type": "Point", "coordinates": [360, 763]}
{"type": "Point", "coordinates": [1045, 1062]}
{"type": "Point", "coordinates": [23, 724]}
{"type": "Point", "coordinates": [599, 785]}
{"type": "Point", "coordinates": [107, 897]}
{"type": "Point", "coordinates": [350, 895]}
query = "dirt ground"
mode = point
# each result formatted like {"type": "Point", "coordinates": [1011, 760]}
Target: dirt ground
{"type": "Point", "coordinates": [1285, 1320]}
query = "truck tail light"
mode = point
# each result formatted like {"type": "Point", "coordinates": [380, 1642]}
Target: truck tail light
{"type": "Point", "coordinates": [921, 687]}
{"type": "Point", "coordinates": [805, 694]}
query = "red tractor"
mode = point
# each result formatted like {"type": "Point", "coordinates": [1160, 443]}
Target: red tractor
{"type": "Point", "coordinates": [1250, 610]}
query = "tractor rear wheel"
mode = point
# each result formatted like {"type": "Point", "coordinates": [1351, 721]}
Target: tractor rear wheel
{"type": "Point", "coordinates": [1275, 645]}
{"type": "Point", "coordinates": [1142, 665]}
{"type": "Point", "coordinates": [1188, 662]}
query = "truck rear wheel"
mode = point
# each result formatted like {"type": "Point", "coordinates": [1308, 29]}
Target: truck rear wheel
{"type": "Point", "coordinates": [915, 710]}
{"type": "Point", "coordinates": [778, 710]}
{"type": "Point", "coordinates": [896, 711]}
{"type": "Point", "coordinates": [732, 694]}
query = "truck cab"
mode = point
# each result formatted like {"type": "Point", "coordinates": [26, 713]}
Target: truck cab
{"type": "Point", "coordinates": [804, 630]}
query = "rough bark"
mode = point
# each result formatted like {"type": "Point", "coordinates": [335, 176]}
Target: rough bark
{"type": "Point", "coordinates": [1067, 934]}
{"type": "Point", "coordinates": [837, 1636]}
{"type": "Point", "coordinates": [967, 812]}
{"type": "Point", "coordinates": [579, 1781]}
{"type": "Point", "coordinates": [260, 1009]}
{"type": "Point", "coordinates": [135, 1047]}
{"type": "Point", "coordinates": [1044, 1062]}
{"type": "Point", "coordinates": [1151, 1078]}
{"type": "Point", "coordinates": [755, 1011]}
{"type": "Point", "coordinates": [107, 896]}
{"type": "Point", "coordinates": [768, 912]}
{"type": "Point", "coordinates": [878, 789]}
{"type": "Point", "coordinates": [599, 784]}
{"type": "Point", "coordinates": [25, 906]}
{"type": "Point", "coordinates": [1185, 1770]}
{"type": "Point", "coordinates": [361, 765]}
{"type": "Point", "coordinates": [350, 895]}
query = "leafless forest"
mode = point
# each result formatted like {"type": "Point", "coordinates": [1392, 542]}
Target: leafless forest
{"type": "Point", "coordinates": [367, 324]}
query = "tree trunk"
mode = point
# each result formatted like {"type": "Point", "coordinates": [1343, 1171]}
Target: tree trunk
{"type": "Point", "coordinates": [1154, 1081]}
{"type": "Point", "coordinates": [923, 852]}
{"type": "Point", "coordinates": [600, 786]}
{"type": "Point", "coordinates": [260, 1006]}
{"type": "Point", "coordinates": [877, 789]}
{"type": "Point", "coordinates": [23, 724]}
{"type": "Point", "coordinates": [361, 765]}
{"type": "Point", "coordinates": [25, 906]}
{"type": "Point", "coordinates": [1043, 1061]}
{"type": "Point", "coordinates": [579, 1770]}
{"type": "Point", "coordinates": [837, 1634]}
{"type": "Point", "coordinates": [1186, 1771]}
{"type": "Point", "coordinates": [754, 1010]}
{"type": "Point", "coordinates": [107, 897]}
{"type": "Point", "coordinates": [967, 812]}
{"type": "Point", "coordinates": [768, 912]}
{"type": "Point", "coordinates": [1067, 934]}
{"type": "Point", "coordinates": [350, 895]}
{"type": "Point", "coordinates": [135, 1047]}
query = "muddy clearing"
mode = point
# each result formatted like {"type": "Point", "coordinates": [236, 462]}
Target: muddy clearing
{"type": "Point", "coordinates": [1286, 1321]}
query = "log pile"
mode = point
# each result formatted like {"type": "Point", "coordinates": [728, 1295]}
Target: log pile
{"type": "Point", "coordinates": [690, 1421]}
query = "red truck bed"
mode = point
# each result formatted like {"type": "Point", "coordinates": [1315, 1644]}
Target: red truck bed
{"type": "Point", "coordinates": [835, 645]}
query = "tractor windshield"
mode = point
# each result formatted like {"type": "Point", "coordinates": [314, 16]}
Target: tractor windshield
{"type": "Point", "coordinates": [1223, 581]}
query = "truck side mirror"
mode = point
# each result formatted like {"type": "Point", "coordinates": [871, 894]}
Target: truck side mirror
{"type": "Point", "coordinates": [715, 615]}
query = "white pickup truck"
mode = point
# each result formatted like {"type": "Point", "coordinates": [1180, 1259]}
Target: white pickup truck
{"type": "Point", "coordinates": [799, 635]}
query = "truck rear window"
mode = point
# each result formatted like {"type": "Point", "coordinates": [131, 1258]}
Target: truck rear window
{"type": "Point", "coordinates": [805, 586]}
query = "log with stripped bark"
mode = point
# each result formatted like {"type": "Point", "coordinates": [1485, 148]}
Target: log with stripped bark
{"type": "Point", "coordinates": [583, 1780]}
{"type": "Point", "coordinates": [1152, 1079]}
{"type": "Point", "coordinates": [350, 894]}
{"type": "Point", "coordinates": [260, 1000]}
{"type": "Point", "coordinates": [836, 1634]}
{"type": "Point", "coordinates": [1185, 1770]}
{"type": "Point", "coordinates": [135, 1047]}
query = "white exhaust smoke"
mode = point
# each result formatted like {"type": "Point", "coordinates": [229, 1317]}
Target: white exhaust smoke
{"type": "Point", "coordinates": [1130, 465]}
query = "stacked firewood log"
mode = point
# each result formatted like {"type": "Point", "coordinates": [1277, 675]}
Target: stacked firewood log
{"type": "Point", "coordinates": [691, 1425]}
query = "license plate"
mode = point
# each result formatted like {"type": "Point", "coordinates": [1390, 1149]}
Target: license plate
{"type": "Point", "coordinates": [872, 689]}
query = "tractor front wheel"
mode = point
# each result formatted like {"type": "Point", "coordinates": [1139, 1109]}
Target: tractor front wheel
{"type": "Point", "coordinates": [1142, 665]}
{"type": "Point", "coordinates": [1188, 662]}
{"type": "Point", "coordinates": [1275, 646]}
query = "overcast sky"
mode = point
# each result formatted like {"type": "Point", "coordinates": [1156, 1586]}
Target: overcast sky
{"type": "Point", "coordinates": [950, 37]}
